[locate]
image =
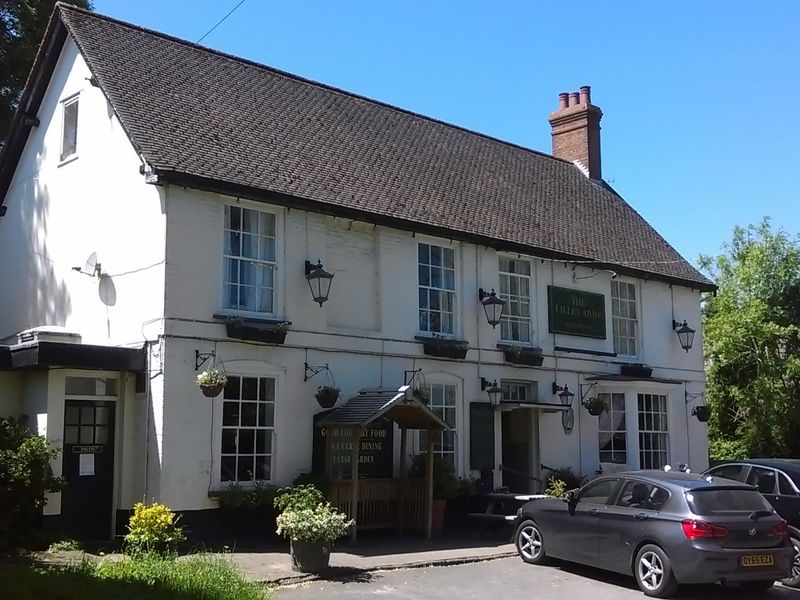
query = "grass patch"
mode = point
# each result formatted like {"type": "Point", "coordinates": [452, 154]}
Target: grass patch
{"type": "Point", "coordinates": [65, 546]}
{"type": "Point", "coordinates": [147, 577]}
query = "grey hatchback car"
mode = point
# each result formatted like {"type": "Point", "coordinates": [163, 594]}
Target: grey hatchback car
{"type": "Point", "coordinates": [664, 528]}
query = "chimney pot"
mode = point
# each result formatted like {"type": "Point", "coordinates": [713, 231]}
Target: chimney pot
{"type": "Point", "coordinates": [576, 132]}
{"type": "Point", "coordinates": [563, 100]}
{"type": "Point", "coordinates": [573, 98]}
{"type": "Point", "coordinates": [586, 94]}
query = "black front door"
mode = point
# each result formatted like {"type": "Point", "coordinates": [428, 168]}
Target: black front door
{"type": "Point", "coordinates": [86, 501]}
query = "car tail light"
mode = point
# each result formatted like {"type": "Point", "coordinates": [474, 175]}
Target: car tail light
{"type": "Point", "coordinates": [700, 529]}
{"type": "Point", "coordinates": [780, 530]}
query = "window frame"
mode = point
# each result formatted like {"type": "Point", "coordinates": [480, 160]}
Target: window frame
{"type": "Point", "coordinates": [653, 486]}
{"type": "Point", "coordinates": [455, 291]}
{"type": "Point", "coordinates": [616, 318]}
{"type": "Point", "coordinates": [74, 99]}
{"type": "Point", "coordinates": [278, 277]}
{"type": "Point", "coordinates": [613, 431]}
{"type": "Point", "coordinates": [508, 298]}
{"type": "Point", "coordinates": [641, 431]}
{"type": "Point", "coordinates": [610, 499]}
{"type": "Point", "coordinates": [421, 436]}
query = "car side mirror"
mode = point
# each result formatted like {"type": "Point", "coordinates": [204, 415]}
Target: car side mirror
{"type": "Point", "coordinates": [570, 498]}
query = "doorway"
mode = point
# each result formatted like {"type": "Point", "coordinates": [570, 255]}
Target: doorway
{"type": "Point", "coordinates": [87, 498]}
{"type": "Point", "coordinates": [520, 466]}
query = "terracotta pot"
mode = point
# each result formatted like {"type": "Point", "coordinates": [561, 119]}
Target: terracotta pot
{"type": "Point", "coordinates": [439, 507]}
{"type": "Point", "coordinates": [310, 557]}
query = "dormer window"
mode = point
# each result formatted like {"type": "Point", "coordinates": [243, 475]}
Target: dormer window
{"type": "Point", "coordinates": [69, 130]}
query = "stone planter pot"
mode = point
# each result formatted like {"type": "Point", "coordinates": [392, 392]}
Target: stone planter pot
{"type": "Point", "coordinates": [437, 525]}
{"type": "Point", "coordinates": [269, 334]}
{"type": "Point", "coordinates": [443, 347]}
{"type": "Point", "coordinates": [310, 557]}
{"type": "Point", "coordinates": [212, 391]}
{"type": "Point", "coordinates": [523, 356]}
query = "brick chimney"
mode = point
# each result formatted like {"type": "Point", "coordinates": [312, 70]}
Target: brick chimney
{"type": "Point", "coordinates": [576, 130]}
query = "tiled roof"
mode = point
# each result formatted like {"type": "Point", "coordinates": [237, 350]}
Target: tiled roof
{"type": "Point", "coordinates": [372, 404]}
{"type": "Point", "coordinates": [196, 113]}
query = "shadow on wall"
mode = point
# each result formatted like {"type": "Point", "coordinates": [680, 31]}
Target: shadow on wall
{"type": "Point", "coordinates": [38, 295]}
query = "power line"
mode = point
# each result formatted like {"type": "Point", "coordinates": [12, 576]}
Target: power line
{"type": "Point", "coordinates": [233, 10]}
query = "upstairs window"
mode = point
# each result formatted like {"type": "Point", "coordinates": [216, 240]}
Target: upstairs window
{"type": "Point", "coordinates": [437, 289]}
{"type": "Point", "coordinates": [69, 130]}
{"type": "Point", "coordinates": [515, 289]}
{"type": "Point", "coordinates": [250, 260]}
{"type": "Point", "coordinates": [625, 319]}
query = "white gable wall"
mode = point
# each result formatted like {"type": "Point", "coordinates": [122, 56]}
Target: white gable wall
{"type": "Point", "coordinates": [61, 212]}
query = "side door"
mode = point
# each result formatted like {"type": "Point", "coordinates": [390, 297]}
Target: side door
{"type": "Point", "coordinates": [87, 498]}
{"type": "Point", "coordinates": [579, 527]}
{"type": "Point", "coordinates": [622, 523]}
{"type": "Point", "coordinates": [787, 500]}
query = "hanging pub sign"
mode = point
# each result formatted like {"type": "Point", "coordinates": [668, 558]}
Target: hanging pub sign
{"type": "Point", "coordinates": [375, 455]}
{"type": "Point", "coordinates": [575, 312]}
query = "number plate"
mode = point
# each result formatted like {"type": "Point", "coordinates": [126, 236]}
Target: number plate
{"type": "Point", "coordinates": [758, 560]}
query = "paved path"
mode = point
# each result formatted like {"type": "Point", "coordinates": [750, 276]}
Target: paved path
{"type": "Point", "coordinates": [505, 579]}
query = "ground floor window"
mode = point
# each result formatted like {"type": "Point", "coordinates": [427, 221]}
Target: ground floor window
{"type": "Point", "coordinates": [442, 401]}
{"type": "Point", "coordinates": [248, 424]}
{"type": "Point", "coordinates": [612, 435]}
{"type": "Point", "coordinates": [653, 431]}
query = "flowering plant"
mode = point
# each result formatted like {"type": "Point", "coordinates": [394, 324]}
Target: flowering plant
{"type": "Point", "coordinates": [212, 377]}
{"type": "Point", "coordinates": [153, 528]}
{"type": "Point", "coordinates": [320, 524]}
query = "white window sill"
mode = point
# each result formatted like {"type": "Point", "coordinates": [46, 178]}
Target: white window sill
{"type": "Point", "coordinates": [68, 159]}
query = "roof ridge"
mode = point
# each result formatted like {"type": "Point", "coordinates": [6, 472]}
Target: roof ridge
{"type": "Point", "coordinates": [71, 7]}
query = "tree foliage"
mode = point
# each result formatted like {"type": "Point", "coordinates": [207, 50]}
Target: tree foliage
{"type": "Point", "coordinates": [752, 345]}
{"type": "Point", "coordinates": [22, 27]}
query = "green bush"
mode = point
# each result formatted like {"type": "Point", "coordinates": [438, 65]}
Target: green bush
{"type": "Point", "coordinates": [322, 523]}
{"type": "Point", "coordinates": [565, 474]}
{"type": "Point", "coordinates": [260, 496]}
{"type": "Point", "coordinates": [153, 529]}
{"type": "Point", "coordinates": [318, 480]}
{"type": "Point", "coordinates": [445, 482]}
{"type": "Point", "coordinates": [556, 488]}
{"type": "Point", "coordinates": [66, 545]}
{"type": "Point", "coordinates": [301, 497]}
{"type": "Point", "coordinates": [25, 478]}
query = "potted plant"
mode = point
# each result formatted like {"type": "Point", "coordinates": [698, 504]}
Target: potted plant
{"type": "Point", "coordinates": [211, 382]}
{"type": "Point", "coordinates": [311, 524]}
{"type": "Point", "coordinates": [521, 355]}
{"type": "Point", "coordinates": [702, 412]}
{"type": "Point", "coordinates": [596, 406]}
{"type": "Point", "coordinates": [327, 395]}
{"type": "Point", "coordinates": [445, 486]}
{"type": "Point", "coordinates": [438, 345]}
{"type": "Point", "coordinates": [257, 331]}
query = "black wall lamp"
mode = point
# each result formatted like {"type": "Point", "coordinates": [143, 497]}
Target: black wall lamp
{"type": "Point", "coordinates": [492, 305]}
{"type": "Point", "coordinates": [685, 334]}
{"type": "Point", "coordinates": [319, 281]}
{"type": "Point", "coordinates": [563, 393]}
{"type": "Point", "coordinates": [493, 391]}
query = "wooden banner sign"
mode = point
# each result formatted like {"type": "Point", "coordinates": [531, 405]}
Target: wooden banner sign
{"type": "Point", "coordinates": [375, 455]}
{"type": "Point", "coordinates": [575, 312]}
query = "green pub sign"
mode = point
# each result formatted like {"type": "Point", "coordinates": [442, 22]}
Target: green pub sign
{"type": "Point", "coordinates": [574, 312]}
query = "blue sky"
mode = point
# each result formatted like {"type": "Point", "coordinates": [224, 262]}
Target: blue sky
{"type": "Point", "coordinates": [701, 127]}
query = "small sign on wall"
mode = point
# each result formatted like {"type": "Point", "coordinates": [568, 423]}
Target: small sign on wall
{"type": "Point", "coordinates": [86, 465]}
{"type": "Point", "coordinates": [575, 312]}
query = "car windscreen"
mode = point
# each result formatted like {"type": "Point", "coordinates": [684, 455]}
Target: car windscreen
{"type": "Point", "coordinates": [725, 501]}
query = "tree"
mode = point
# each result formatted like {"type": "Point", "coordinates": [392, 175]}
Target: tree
{"type": "Point", "coordinates": [22, 27]}
{"type": "Point", "coordinates": [752, 345]}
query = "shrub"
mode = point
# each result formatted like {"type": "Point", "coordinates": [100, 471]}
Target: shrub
{"type": "Point", "coordinates": [322, 523]}
{"type": "Point", "coordinates": [66, 545]}
{"type": "Point", "coordinates": [318, 480]}
{"type": "Point", "coordinates": [153, 529]}
{"type": "Point", "coordinates": [556, 488]}
{"type": "Point", "coordinates": [301, 497]}
{"type": "Point", "coordinates": [260, 496]}
{"type": "Point", "coordinates": [25, 478]}
{"type": "Point", "coordinates": [445, 482]}
{"type": "Point", "coordinates": [565, 474]}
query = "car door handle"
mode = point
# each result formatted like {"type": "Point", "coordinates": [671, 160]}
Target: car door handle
{"type": "Point", "coordinates": [593, 512]}
{"type": "Point", "coordinates": [641, 516]}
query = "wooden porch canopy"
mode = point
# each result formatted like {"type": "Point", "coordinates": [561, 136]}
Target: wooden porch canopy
{"type": "Point", "coordinates": [398, 406]}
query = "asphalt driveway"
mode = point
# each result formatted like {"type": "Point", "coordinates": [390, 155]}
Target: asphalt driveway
{"type": "Point", "coordinates": [506, 579]}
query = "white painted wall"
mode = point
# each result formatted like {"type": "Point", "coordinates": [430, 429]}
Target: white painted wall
{"type": "Point", "coordinates": [371, 344]}
{"type": "Point", "coordinates": [59, 213]}
{"type": "Point", "coordinates": [10, 394]}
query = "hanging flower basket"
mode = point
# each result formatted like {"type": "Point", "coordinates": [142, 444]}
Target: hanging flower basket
{"type": "Point", "coordinates": [702, 412]}
{"type": "Point", "coordinates": [327, 395]}
{"type": "Point", "coordinates": [211, 382]}
{"type": "Point", "coordinates": [596, 406]}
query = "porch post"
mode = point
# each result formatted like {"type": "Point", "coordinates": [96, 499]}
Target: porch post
{"type": "Point", "coordinates": [401, 484]}
{"type": "Point", "coordinates": [429, 491]}
{"type": "Point", "coordinates": [329, 452]}
{"type": "Point", "coordinates": [354, 456]}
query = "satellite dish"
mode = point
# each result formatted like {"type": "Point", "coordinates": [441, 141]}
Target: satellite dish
{"type": "Point", "coordinates": [107, 291]}
{"type": "Point", "coordinates": [91, 267]}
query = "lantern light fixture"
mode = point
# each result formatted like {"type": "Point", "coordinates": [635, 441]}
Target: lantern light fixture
{"type": "Point", "coordinates": [492, 305]}
{"type": "Point", "coordinates": [685, 334]}
{"type": "Point", "coordinates": [492, 390]}
{"type": "Point", "coordinates": [564, 394]}
{"type": "Point", "coordinates": [319, 281]}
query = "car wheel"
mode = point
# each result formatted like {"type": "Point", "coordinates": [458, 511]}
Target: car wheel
{"type": "Point", "coordinates": [754, 586]}
{"type": "Point", "coordinates": [653, 572]}
{"type": "Point", "coordinates": [530, 546]}
{"type": "Point", "coordinates": [794, 578]}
